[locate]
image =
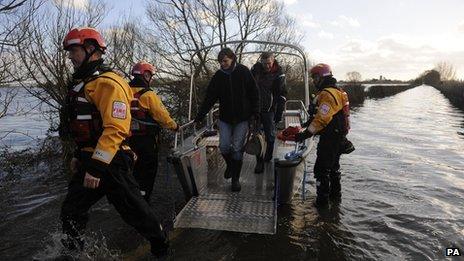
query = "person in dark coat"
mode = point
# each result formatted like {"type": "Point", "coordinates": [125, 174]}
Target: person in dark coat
{"type": "Point", "coordinates": [234, 87]}
{"type": "Point", "coordinates": [271, 83]}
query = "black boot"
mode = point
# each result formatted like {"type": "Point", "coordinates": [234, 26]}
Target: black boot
{"type": "Point", "coordinates": [228, 160]}
{"type": "Point", "coordinates": [237, 168]}
{"type": "Point", "coordinates": [335, 186]}
{"type": "Point", "coordinates": [322, 190]}
{"type": "Point", "coordinates": [259, 165]}
{"type": "Point", "coordinates": [160, 247]}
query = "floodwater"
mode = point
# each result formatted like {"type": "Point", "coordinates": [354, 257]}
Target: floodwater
{"type": "Point", "coordinates": [403, 199]}
{"type": "Point", "coordinates": [26, 121]}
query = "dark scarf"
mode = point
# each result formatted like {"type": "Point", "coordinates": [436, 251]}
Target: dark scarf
{"type": "Point", "coordinates": [327, 81]}
{"type": "Point", "coordinates": [231, 68]}
{"type": "Point", "coordinates": [138, 81]}
{"type": "Point", "coordinates": [87, 69]}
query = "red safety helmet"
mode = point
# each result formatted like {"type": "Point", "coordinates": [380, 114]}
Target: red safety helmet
{"type": "Point", "coordinates": [77, 36]}
{"type": "Point", "coordinates": [321, 70]}
{"type": "Point", "coordinates": [141, 67]}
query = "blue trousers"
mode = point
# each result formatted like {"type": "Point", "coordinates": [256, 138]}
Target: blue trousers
{"type": "Point", "coordinates": [232, 138]}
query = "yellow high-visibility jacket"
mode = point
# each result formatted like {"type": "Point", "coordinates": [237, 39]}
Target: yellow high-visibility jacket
{"type": "Point", "coordinates": [329, 101]}
{"type": "Point", "coordinates": [111, 94]}
{"type": "Point", "coordinates": [150, 102]}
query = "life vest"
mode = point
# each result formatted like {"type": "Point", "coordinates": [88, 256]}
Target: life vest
{"type": "Point", "coordinates": [85, 122]}
{"type": "Point", "coordinates": [346, 110]}
{"type": "Point", "coordinates": [142, 123]}
{"type": "Point", "coordinates": [341, 120]}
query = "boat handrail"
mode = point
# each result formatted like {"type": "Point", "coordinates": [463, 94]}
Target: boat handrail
{"type": "Point", "coordinates": [300, 54]}
{"type": "Point", "coordinates": [181, 132]}
{"type": "Point", "coordinates": [302, 106]}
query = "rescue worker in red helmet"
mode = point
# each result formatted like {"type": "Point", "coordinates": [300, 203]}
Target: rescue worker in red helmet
{"type": "Point", "coordinates": [329, 122]}
{"type": "Point", "coordinates": [98, 120]}
{"type": "Point", "coordinates": [148, 117]}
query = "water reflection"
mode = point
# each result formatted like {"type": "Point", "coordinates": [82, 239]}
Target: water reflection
{"type": "Point", "coordinates": [26, 123]}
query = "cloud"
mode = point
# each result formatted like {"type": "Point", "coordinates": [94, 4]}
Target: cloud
{"type": "Point", "coordinates": [461, 27]}
{"type": "Point", "coordinates": [344, 21]}
{"type": "Point", "coordinates": [308, 21]}
{"type": "Point", "coordinates": [79, 4]}
{"type": "Point", "coordinates": [350, 21]}
{"type": "Point", "coordinates": [289, 2]}
{"type": "Point", "coordinates": [389, 56]}
{"type": "Point", "coordinates": [310, 24]}
{"type": "Point", "coordinates": [325, 35]}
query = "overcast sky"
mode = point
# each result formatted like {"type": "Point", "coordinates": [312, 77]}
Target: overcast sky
{"type": "Point", "coordinates": [396, 39]}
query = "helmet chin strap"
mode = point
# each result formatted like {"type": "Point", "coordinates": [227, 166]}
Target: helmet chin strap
{"type": "Point", "coordinates": [319, 84]}
{"type": "Point", "coordinates": [87, 55]}
{"type": "Point", "coordinates": [147, 81]}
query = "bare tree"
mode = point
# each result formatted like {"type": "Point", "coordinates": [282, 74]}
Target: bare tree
{"type": "Point", "coordinates": [10, 16]}
{"type": "Point", "coordinates": [430, 77]}
{"type": "Point", "coordinates": [446, 70]}
{"type": "Point", "coordinates": [182, 27]}
{"type": "Point", "coordinates": [10, 5]}
{"type": "Point", "coordinates": [127, 45]}
{"type": "Point", "coordinates": [263, 20]}
{"type": "Point", "coordinates": [42, 59]}
{"type": "Point", "coordinates": [42, 67]}
{"type": "Point", "coordinates": [353, 77]}
{"type": "Point", "coordinates": [7, 96]}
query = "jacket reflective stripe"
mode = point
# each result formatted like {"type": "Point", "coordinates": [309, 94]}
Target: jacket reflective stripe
{"type": "Point", "coordinates": [82, 99]}
{"type": "Point", "coordinates": [84, 117]}
{"type": "Point", "coordinates": [78, 87]}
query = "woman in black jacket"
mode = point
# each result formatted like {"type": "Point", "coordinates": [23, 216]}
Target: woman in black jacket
{"type": "Point", "coordinates": [235, 89]}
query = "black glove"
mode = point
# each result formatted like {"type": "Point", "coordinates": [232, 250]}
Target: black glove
{"type": "Point", "coordinates": [96, 168]}
{"type": "Point", "coordinates": [301, 136]}
{"type": "Point", "coordinates": [306, 124]}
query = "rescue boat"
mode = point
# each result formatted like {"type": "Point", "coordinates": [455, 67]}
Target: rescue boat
{"type": "Point", "coordinates": [199, 166]}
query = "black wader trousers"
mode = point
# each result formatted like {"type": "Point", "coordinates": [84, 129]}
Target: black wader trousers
{"type": "Point", "coordinates": [122, 191]}
{"type": "Point", "coordinates": [327, 166]}
{"type": "Point", "coordinates": [146, 166]}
